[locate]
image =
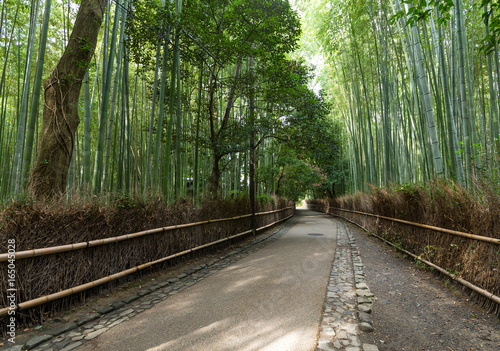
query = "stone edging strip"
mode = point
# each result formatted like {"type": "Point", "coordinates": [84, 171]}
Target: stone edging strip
{"type": "Point", "coordinates": [74, 334]}
{"type": "Point", "coordinates": [348, 300]}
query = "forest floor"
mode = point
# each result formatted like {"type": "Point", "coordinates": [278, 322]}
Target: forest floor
{"type": "Point", "coordinates": [415, 310]}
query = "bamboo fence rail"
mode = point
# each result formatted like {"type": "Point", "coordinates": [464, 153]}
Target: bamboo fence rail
{"type": "Point", "coordinates": [464, 282]}
{"type": "Point", "coordinates": [83, 245]}
{"type": "Point", "coordinates": [430, 227]}
{"type": "Point", "coordinates": [64, 293]}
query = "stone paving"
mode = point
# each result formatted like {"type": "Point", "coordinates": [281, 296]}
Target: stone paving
{"type": "Point", "coordinates": [348, 300]}
{"type": "Point", "coordinates": [346, 313]}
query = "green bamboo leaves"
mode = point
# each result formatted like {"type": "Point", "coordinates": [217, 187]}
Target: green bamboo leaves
{"type": "Point", "coordinates": [419, 95]}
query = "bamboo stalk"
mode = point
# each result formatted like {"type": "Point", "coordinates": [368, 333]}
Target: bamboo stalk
{"type": "Point", "coordinates": [83, 245]}
{"type": "Point", "coordinates": [103, 118]}
{"type": "Point", "coordinates": [35, 97]}
{"type": "Point", "coordinates": [23, 108]}
{"type": "Point", "coordinates": [64, 293]}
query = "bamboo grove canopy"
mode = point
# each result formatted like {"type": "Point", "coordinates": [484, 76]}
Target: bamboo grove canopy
{"type": "Point", "coordinates": [176, 98]}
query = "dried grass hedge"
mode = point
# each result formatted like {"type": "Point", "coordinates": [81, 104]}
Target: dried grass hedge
{"type": "Point", "coordinates": [442, 205]}
{"type": "Point", "coordinates": [34, 225]}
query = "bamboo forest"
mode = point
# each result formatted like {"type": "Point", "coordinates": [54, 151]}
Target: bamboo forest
{"type": "Point", "coordinates": [238, 174]}
{"type": "Point", "coordinates": [184, 98]}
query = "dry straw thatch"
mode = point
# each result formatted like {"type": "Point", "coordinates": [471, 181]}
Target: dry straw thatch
{"type": "Point", "coordinates": [440, 205]}
{"type": "Point", "coordinates": [34, 225]}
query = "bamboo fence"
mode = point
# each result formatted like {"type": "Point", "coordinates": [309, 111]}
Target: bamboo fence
{"type": "Point", "coordinates": [83, 245]}
{"type": "Point", "coordinates": [455, 277]}
{"type": "Point", "coordinates": [71, 247]}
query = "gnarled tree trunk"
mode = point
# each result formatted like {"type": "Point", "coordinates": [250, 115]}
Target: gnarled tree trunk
{"type": "Point", "coordinates": [60, 112]}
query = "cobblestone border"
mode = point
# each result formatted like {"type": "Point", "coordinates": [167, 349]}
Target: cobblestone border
{"type": "Point", "coordinates": [348, 299]}
{"type": "Point", "coordinates": [74, 334]}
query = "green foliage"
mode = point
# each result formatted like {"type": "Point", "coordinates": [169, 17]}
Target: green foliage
{"type": "Point", "coordinates": [266, 199]}
{"type": "Point", "coordinates": [126, 201]}
{"type": "Point", "coordinates": [148, 25]}
{"type": "Point", "coordinates": [420, 10]}
{"type": "Point", "coordinates": [289, 175]}
{"type": "Point", "coordinates": [398, 246]}
{"type": "Point", "coordinates": [420, 265]}
{"type": "Point", "coordinates": [491, 18]}
{"type": "Point", "coordinates": [231, 30]}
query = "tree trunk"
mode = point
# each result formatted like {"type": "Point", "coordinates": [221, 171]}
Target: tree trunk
{"type": "Point", "coordinates": [215, 135]}
{"type": "Point", "coordinates": [60, 112]}
{"type": "Point", "coordinates": [196, 145]}
{"type": "Point", "coordinates": [215, 175]}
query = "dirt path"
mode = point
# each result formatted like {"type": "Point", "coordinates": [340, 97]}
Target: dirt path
{"type": "Point", "coordinates": [415, 311]}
